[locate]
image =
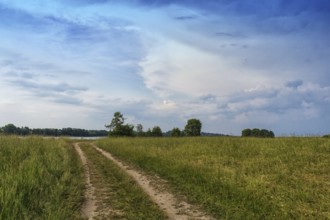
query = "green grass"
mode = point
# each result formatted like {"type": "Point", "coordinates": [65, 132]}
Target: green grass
{"type": "Point", "coordinates": [39, 179]}
{"type": "Point", "coordinates": [119, 191]}
{"type": "Point", "coordinates": [239, 178]}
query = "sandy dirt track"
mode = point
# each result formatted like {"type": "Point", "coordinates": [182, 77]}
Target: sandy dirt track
{"type": "Point", "coordinates": [88, 209]}
{"type": "Point", "coordinates": [175, 208]}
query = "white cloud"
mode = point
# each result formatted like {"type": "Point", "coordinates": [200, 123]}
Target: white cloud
{"type": "Point", "coordinates": [172, 68]}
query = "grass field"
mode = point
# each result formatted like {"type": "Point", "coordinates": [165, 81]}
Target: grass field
{"type": "Point", "coordinates": [231, 178]}
{"type": "Point", "coordinates": [40, 179]}
{"type": "Point", "coordinates": [239, 178]}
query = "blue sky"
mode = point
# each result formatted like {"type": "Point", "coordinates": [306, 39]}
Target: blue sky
{"type": "Point", "coordinates": [233, 64]}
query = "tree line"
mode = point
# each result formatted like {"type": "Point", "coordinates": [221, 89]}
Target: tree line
{"type": "Point", "coordinates": [11, 129]}
{"type": "Point", "coordinates": [118, 128]}
{"type": "Point", "coordinates": [256, 132]}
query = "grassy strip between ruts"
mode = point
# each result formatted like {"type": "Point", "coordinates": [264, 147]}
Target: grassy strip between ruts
{"type": "Point", "coordinates": [40, 179]}
{"type": "Point", "coordinates": [239, 178]}
{"type": "Point", "coordinates": [115, 189]}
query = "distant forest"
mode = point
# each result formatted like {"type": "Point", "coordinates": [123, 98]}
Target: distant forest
{"type": "Point", "coordinates": [11, 129]}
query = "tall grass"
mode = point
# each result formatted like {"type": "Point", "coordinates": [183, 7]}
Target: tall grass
{"type": "Point", "coordinates": [39, 179]}
{"type": "Point", "coordinates": [239, 178]}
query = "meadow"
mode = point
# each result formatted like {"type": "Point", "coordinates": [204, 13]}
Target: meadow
{"type": "Point", "coordinates": [238, 178]}
{"type": "Point", "coordinates": [40, 179]}
{"type": "Point", "coordinates": [228, 177]}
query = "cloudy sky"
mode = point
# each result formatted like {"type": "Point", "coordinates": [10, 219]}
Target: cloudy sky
{"type": "Point", "coordinates": [233, 64]}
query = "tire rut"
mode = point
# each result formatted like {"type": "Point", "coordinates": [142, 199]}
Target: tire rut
{"type": "Point", "coordinates": [174, 207]}
{"type": "Point", "coordinates": [89, 207]}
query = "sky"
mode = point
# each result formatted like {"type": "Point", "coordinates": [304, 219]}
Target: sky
{"type": "Point", "coordinates": [232, 64]}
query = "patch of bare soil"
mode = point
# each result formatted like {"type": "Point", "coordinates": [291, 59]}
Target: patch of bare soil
{"type": "Point", "coordinates": [156, 188]}
{"type": "Point", "coordinates": [89, 206]}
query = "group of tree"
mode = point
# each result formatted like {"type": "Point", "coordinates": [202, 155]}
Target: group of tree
{"type": "Point", "coordinates": [11, 129]}
{"type": "Point", "coordinates": [117, 128]}
{"type": "Point", "coordinates": [192, 128]}
{"type": "Point", "coordinates": [255, 132]}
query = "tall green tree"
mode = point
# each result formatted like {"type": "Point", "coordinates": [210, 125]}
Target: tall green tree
{"type": "Point", "coordinates": [255, 132]}
{"type": "Point", "coordinates": [156, 131]}
{"type": "Point", "coordinates": [24, 131]}
{"type": "Point", "coordinates": [116, 122]}
{"type": "Point", "coordinates": [10, 129]}
{"type": "Point", "coordinates": [193, 127]}
{"type": "Point", "coordinates": [117, 126]}
{"type": "Point", "coordinates": [127, 130]}
{"type": "Point", "coordinates": [148, 133]}
{"type": "Point", "coordinates": [139, 130]}
{"type": "Point", "coordinates": [246, 132]}
{"type": "Point", "coordinates": [176, 132]}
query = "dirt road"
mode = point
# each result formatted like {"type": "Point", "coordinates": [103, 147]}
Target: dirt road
{"type": "Point", "coordinates": [89, 207]}
{"type": "Point", "coordinates": [156, 188]}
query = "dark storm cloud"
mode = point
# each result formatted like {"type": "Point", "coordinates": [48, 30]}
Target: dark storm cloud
{"type": "Point", "coordinates": [284, 16]}
{"type": "Point", "coordinates": [209, 98]}
{"type": "Point", "coordinates": [67, 100]}
{"type": "Point", "coordinates": [16, 19]}
{"type": "Point", "coordinates": [45, 88]}
{"type": "Point", "coordinates": [308, 100]}
{"type": "Point", "coordinates": [317, 10]}
{"type": "Point", "coordinates": [276, 16]}
{"type": "Point", "coordinates": [294, 84]}
{"type": "Point", "coordinates": [58, 92]}
{"type": "Point", "coordinates": [248, 7]}
{"type": "Point", "coordinates": [230, 35]}
{"type": "Point", "coordinates": [187, 17]}
{"type": "Point", "coordinates": [297, 96]}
